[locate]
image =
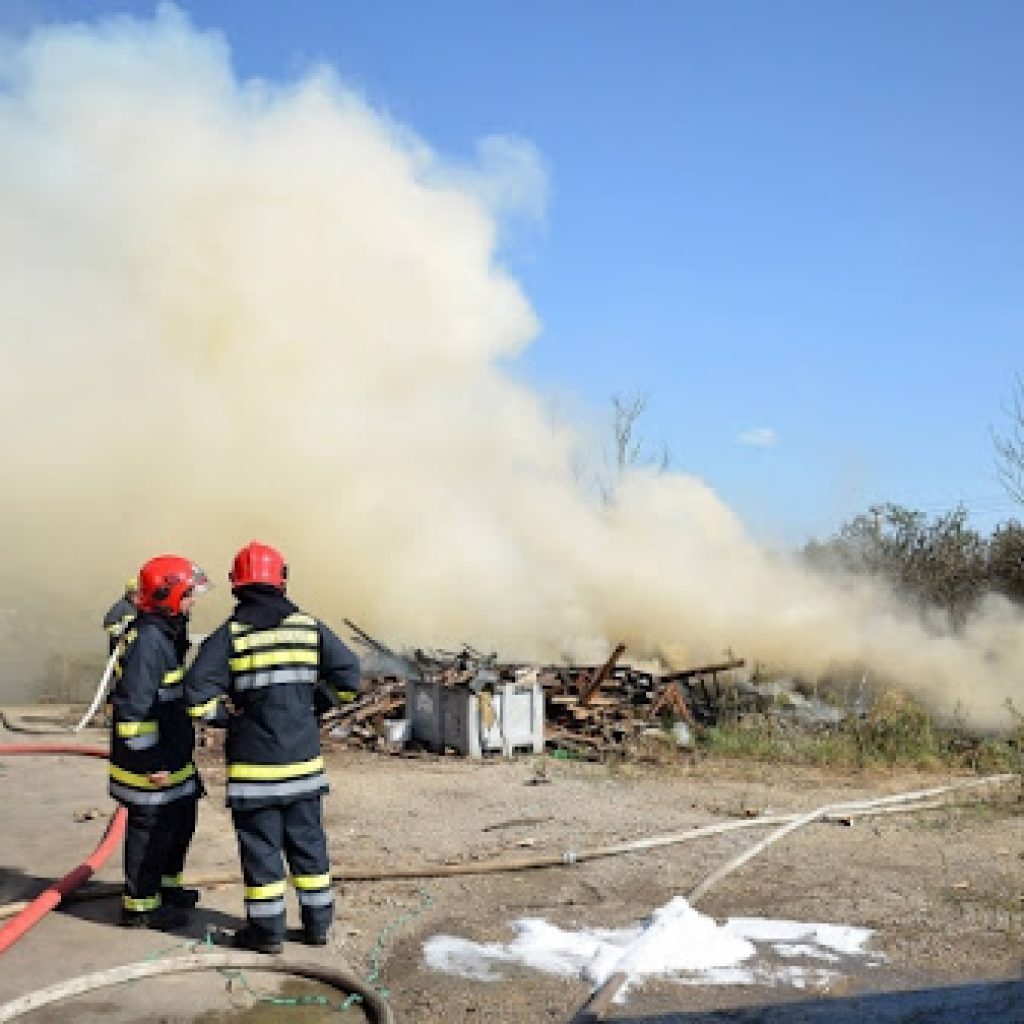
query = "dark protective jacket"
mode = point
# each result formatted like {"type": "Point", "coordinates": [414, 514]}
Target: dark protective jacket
{"type": "Point", "coordinates": [118, 619]}
{"type": "Point", "coordinates": [151, 730]}
{"type": "Point", "coordinates": [279, 667]}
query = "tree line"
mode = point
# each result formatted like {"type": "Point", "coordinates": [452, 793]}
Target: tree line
{"type": "Point", "coordinates": [935, 563]}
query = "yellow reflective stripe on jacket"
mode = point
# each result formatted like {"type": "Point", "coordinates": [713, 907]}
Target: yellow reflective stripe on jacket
{"type": "Point", "coordinates": [275, 771]}
{"type": "Point", "coordinates": [140, 906]}
{"type": "Point", "coordinates": [265, 892]}
{"type": "Point", "coordinates": [126, 729]}
{"type": "Point", "coordinates": [142, 781]}
{"type": "Point", "coordinates": [268, 659]}
{"type": "Point", "coordinates": [203, 710]}
{"type": "Point", "coordinates": [174, 676]}
{"type": "Point", "coordinates": [311, 881]}
{"type": "Point", "coordinates": [295, 619]}
{"type": "Point", "coordinates": [346, 696]}
{"type": "Point", "coordinates": [281, 636]}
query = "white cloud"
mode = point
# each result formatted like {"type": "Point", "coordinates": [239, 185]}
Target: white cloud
{"type": "Point", "coordinates": [759, 437]}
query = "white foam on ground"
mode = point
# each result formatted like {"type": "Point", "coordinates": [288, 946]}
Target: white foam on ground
{"type": "Point", "coordinates": [676, 942]}
{"type": "Point", "coordinates": [839, 938]}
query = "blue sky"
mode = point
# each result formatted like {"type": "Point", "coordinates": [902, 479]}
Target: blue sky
{"type": "Point", "coordinates": [798, 218]}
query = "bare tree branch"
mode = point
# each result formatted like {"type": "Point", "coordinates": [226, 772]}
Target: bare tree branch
{"type": "Point", "coordinates": [626, 412]}
{"type": "Point", "coordinates": [1009, 448]}
{"type": "Point", "coordinates": [664, 458]}
{"type": "Point", "coordinates": [626, 448]}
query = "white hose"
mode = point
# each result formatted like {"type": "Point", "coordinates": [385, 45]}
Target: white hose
{"type": "Point", "coordinates": [569, 857]}
{"type": "Point", "coordinates": [831, 809]}
{"type": "Point", "coordinates": [343, 978]}
{"type": "Point", "coordinates": [101, 691]}
{"type": "Point", "coordinates": [598, 1002]}
{"type": "Point", "coordinates": [196, 638]}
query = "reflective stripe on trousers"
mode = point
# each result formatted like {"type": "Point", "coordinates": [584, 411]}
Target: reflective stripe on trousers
{"type": "Point", "coordinates": [264, 908]}
{"type": "Point", "coordinates": [141, 906]}
{"type": "Point", "coordinates": [314, 890]}
{"type": "Point", "coordinates": [316, 899]}
{"type": "Point", "coordinates": [311, 784]}
{"type": "Point", "coordinates": [266, 900]}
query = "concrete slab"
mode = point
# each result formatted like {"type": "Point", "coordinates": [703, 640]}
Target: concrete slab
{"type": "Point", "coordinates": [41, 840]}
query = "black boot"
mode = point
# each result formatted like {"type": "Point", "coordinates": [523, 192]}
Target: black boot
{"type": "Point", "coordinates": [179, 897]}
{"type": "Point", "coordinates": [314, 936]}
{"type": "Point", "coordinates": [256, 941]}
{"type": "Point", "coordinates": [163, 919]}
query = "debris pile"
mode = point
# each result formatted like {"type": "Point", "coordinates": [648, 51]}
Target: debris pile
{"type": "Point", "coordinates": [590, 711]}
{"type": "Point", "coordinates": [381, 698]}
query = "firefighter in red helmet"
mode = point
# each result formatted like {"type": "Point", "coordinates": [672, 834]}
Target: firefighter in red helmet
{"type": "Point", "coordinates": [151, 769]}
{"type": "Point", "coordinates": [280, 667]}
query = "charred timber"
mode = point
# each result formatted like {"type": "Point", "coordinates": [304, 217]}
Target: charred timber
{"type": "Point", "coordinates": [592, 684]}
{"type": "Point", "coordinates": [703, 670]}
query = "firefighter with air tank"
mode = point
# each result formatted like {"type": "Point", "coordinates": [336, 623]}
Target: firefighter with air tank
{"type": "Point", "coordinates": [152, 773]}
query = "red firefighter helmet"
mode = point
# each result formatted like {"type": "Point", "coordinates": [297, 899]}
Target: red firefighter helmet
{"type": "Point", "coordinates": [165, 581]}
{"type": "Point", "coordinates": [258, 563]}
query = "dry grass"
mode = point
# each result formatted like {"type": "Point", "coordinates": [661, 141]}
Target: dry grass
{"type": "Point", "coordinates": [897, 733]}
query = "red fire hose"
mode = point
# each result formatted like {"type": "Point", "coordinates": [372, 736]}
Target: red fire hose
{"type": "Point", "coordinates": [53, 894]}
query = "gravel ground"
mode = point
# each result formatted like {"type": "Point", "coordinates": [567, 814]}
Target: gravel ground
{"type": "Point", "coordinates": [944, 889]}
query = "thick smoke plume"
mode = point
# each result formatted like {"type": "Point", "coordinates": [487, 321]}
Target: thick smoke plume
{"type": "Point", "coordinates": [232, 310]}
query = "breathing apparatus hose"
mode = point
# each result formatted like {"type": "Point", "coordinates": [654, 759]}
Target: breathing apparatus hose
{"type": "Point", "coordinates": [99, 695]}
{"type": "Point", "coordinates": [16, 724]}
{"type": "Point", "coordinates": [51, 897]}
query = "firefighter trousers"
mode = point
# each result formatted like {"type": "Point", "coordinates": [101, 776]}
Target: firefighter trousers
{"type": "Point", "coordinates": [294, 829]}
{"type": "Point", "coordinates": [156, 840]}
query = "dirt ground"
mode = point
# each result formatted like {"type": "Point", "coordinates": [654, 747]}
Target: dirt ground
{"type": "Point", "coordinates": [943, 890]}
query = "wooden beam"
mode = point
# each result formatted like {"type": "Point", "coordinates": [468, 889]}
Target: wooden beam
{"type": "Point", "coordinates": [704, 670]}
{"type": "Point", "coordinates": [590, 686]}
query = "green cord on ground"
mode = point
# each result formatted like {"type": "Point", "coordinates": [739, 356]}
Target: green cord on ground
{"type": "Point", "coordinates": [378, 948]}
{"type": "Point", "coordinates": [312, 1000]}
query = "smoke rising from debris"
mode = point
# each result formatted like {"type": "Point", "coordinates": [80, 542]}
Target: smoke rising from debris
{"type": "Point", "coordinates": [234, 309]}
